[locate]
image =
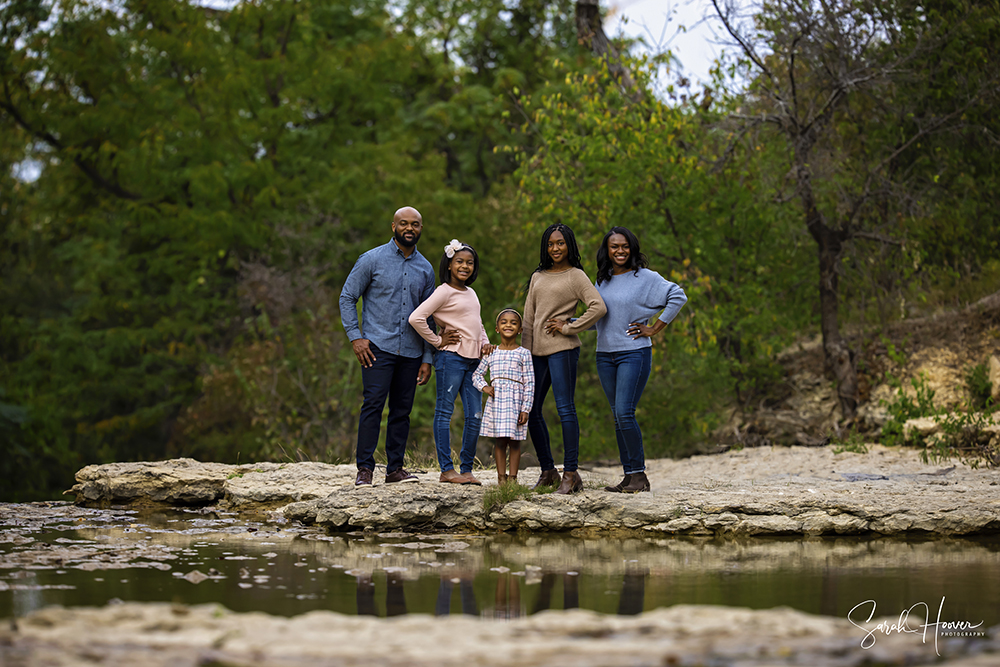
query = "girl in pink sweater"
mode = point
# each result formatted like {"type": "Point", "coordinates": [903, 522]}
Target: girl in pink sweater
{"type": "Point", "coordinates": [454, 306]}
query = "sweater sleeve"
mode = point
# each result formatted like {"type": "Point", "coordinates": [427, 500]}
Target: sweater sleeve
{"type": "Point", "coordinates": [418, 318]}
{"type": "Point", "coordinates": [528, 322]}
{"type": "Point", "coordinates": [528, 378]}
{"type": "Point", "coordinates": [668, 296]}
{"type": "Point", "coordinates": [479, 375]}
{"type": "Point", "coordinates": [586, 292]}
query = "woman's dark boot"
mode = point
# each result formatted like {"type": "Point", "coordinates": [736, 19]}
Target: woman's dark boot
{"type": "Point", "coordinates": [638, 483]}
{"type": "Point", "coordinates": [617, 488]}
{"type": "Point", "coordinates": [571, 483]}
{"type": "Point", "coordinates": [547, 478]}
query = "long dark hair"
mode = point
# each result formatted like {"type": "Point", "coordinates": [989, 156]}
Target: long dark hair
{"type": "Point", "coordinates": [444, 270]}
{"type": "Point", "coordinates": [636, 260]}
{"type": "Point", "coordinates": [573, 251]}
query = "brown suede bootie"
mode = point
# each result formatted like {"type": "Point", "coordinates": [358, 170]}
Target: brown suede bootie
{"type": "Point", "coordinates": [547, 478]}
{"type": "Point", "coordinates": [571, 483]}
{"type": "Point", "coordinates": [617, 488]}
{"type": "Point", "coordinates": [638, 483]}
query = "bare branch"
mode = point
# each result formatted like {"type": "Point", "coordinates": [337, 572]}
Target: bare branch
{"type": "Point", "coordinates": [747, 48]}
{"type": "Point", "coordinates": [873, 236]}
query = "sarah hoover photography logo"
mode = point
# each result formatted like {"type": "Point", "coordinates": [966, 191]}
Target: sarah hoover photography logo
{"type": "Point", "coordinates": [920, 624]}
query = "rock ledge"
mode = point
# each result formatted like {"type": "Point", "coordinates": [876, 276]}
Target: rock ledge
{"type": "Point", "coordinates": [763, 491]}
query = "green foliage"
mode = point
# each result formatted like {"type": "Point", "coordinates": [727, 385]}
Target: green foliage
{"type": "Point", "coordinates": [964, 434]}
{"type": "Point", "coordinates": [903, 407]}
{"type": "Point", "coordinates": [607, 155]}
{"type": "Point", "coordinates": [183, 190]}
{"type": "Point", "coordinates": [180, 150]}
{"type": "Point", "coordinates": [852, 442]}
{"type": "Point", "coordinates": [977, 383]}
{"type": "Point", "coordinates": [894, 354]}
{"type": "Point", "coordinates": [284, 389]}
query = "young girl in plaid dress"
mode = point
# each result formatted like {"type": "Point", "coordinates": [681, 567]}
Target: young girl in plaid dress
{"type": "Point", "coordinates": [511, 390]}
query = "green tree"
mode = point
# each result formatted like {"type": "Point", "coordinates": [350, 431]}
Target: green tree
{"type": "Point", "coordinates": [178, 145]}
{"type": "Point", "coordinates": [824, 81]}
{"type": "Point", "coordinates": [612, 155]}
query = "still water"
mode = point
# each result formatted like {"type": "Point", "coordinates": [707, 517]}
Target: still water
{"type": "Point", "coordinates": [64, 555]}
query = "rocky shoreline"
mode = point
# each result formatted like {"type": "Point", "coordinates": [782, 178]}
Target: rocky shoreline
{"type": "Point", "coordinates": [163, 635]}
{"type": "Point", "coordinates": [796, 491]}
{"type": "Point", "coordinates": [757, 491]}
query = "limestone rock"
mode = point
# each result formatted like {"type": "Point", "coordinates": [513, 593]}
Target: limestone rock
{"type": "Point", "coordinates": [388, 506]}
{"type": "Point", "coordinates": [162, 635]}
{"type": "Point", "coordinates": [272, 484]}
{"type": "Point", "coordinates": [189, 482]}
{"type": "Point", "coordinates": [177, 482]}
{"type": "Point", "coordinates": [921, 426]}
{"type": "Point", "coordinates": [760, 491]}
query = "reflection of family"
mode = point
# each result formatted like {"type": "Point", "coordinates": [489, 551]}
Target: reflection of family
{"type": "Point", "coordinates": [396, 342]}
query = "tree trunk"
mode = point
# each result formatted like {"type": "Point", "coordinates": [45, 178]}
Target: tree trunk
{"type": "Point", "coordinates": [837, 354]}
{"type": "Point", "coordinates": [590, 32]}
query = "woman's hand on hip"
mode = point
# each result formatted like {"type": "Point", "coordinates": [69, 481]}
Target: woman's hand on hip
{"type": "Point", "coordinates": [639, 330]}
{"type": "Point", "coordinates": [554, 326]}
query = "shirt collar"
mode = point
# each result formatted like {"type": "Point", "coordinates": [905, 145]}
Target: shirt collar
{"type": "Point", "coordinates": [399, 251]}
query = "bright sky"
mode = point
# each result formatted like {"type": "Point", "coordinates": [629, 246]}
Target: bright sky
{"type": "Point", "coordinates": [660, 23]}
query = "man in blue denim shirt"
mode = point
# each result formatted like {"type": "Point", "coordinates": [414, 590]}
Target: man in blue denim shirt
{"type": "Point", "coordinates": [392, 280]}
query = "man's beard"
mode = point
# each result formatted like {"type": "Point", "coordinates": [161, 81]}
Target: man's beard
{"type": "Point", "coordinates": [401, 240]}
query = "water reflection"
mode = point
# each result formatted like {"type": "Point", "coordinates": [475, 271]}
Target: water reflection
{"type": "Point", "coordinates": [73, 556]}
{"type": "Point", "coordinates": [570, 591]}
{"type": "Point", "coordinates": [633, 592]}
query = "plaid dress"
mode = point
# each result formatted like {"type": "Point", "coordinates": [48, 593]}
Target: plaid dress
{"type": "Point", "coordinates": [512, 377]}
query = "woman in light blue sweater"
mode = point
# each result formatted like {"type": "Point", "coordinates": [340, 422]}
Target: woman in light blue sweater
{"type": "Point", "coordinates": [633, 295]}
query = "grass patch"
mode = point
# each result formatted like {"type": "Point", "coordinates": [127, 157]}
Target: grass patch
{"type": "Point", "coordinates": [854, 442]}
{"type": "Point", "coordinates": [497, 496]}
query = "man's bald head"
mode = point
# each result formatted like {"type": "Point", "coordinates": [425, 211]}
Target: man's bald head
{"type": "Point", "coordinates": [407, 224]}
{"type": "Point", "coordinates": [407, 213]}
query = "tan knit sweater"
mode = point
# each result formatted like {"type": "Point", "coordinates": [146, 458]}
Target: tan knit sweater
{"type": "Point", "coordinates": [556, 295]}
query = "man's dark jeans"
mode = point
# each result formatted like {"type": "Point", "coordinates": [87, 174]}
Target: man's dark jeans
{"type": "Point", "coordinates": [394, 377]}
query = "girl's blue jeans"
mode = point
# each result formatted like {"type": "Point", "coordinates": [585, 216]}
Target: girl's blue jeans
{"type": "Point", "coordinates": [454, 378]}
{"type": "Point", "coordinates": [623, 376]}
{"type": "Point", "coordinates": [557, 371]}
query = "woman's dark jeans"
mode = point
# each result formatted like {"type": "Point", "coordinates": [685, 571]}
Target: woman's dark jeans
{"type": "Point", "coordinates": [623, 377]}
{"type": "Point", "coordinates": [557, 371]}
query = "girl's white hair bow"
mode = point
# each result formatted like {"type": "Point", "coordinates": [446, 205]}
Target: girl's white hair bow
{"type": "Point", "coordinates": [452, 248]}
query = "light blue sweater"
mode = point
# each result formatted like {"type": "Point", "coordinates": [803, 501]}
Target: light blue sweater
{"type": "Point", "coordinates": [635, 298]}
